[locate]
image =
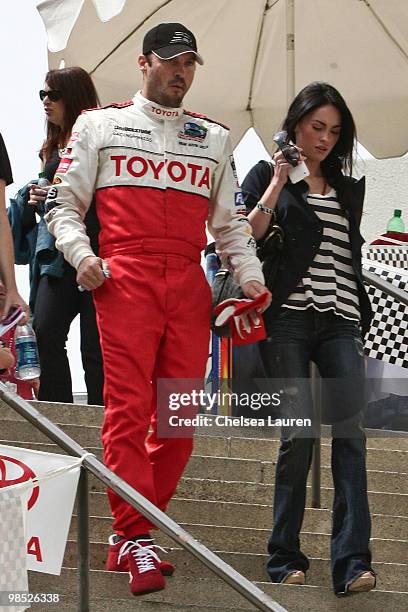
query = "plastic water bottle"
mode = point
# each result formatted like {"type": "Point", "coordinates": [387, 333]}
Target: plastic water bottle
{"type": "Point", "coordinates": [28, 362]}
{"type": "Point", "coordinates": [42, 180]}
{"type": "Point", "coordinates": [396, 224]}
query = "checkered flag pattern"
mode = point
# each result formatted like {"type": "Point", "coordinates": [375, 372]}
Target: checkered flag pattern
{"type": "Point", "coordinates": [396, 256]}
{"type": "Point", "coordinates": [13, 557]}
{"type": "Point", "coordinates": [387, 339]}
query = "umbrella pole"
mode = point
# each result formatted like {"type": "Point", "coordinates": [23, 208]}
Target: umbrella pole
{"type": "Point", "coordinates": [290, 50]}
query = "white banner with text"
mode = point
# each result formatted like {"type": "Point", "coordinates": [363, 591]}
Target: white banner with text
{"type": "Point", "coordinates": [49, 481]}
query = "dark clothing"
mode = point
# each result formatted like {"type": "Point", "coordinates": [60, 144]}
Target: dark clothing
{"type": "Point", "coordinates": [33, 244]}
{"type": "Point", "coordinates": [297, 337]}
{"type": "Point", "coordinates": [57, 304]}
{"type": "Point", "coordinates": [303, 232]}
{"type": "Point", "coordinates": [334, 344]}
{"type": "Point", "coordinates": [5, 168]}
{"type": "Point", "coordinates": [55, 299]}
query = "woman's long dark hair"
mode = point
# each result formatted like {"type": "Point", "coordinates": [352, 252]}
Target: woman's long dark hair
{"type": "Point", "coordinates": [78, 93]}
{"type": "Point", "coordinates": [310, 98]}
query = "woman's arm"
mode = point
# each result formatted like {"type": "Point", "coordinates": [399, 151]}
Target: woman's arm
{"type": "Point", "coordinates": [7, 258]}
{"type": "Point", "coordinates": [259, 189]}
{"type": "Point", "coordinates": [6, 241]}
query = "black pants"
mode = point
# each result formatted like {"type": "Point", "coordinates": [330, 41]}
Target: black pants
{"type": "Point", "coordinates": [57, 303]}
{"type": "Point", "coordinates": [297, 337]}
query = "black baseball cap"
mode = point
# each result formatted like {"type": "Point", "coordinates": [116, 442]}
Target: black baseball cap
{"type": "Point", "coordinates": [168, 40]}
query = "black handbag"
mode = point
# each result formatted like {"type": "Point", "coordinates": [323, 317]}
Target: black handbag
{"type": "Point", "coordinates": [268, 249]}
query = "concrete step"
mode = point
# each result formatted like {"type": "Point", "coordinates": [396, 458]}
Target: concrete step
{"type": "Point", "coordinates": [393, 504]}
{"type": "Point", "coordinates": [251, 540]}
{"type": "Point", "coordinates": [266, 450]}
{"type": "Point", "coordinates": [253, 470]}
{"type": "Point", "coordinates": [238, 447]}
{"type": "Point", "coordinates": [60, 413]}
{"type": "Point", "coordinates": [206, 512]}
{"type": "Point", "coordinates": [249, 492]}
{"type": "Point", "coordinates": [70, 604]}
{"type": "Point", "coordinates": [378, 480]}
{"type": "Point", "coordinates": [25, 432]}
{"type": "Point", "coordinates": [93, 415]}
{"type": "Point", "coordinates": [391, 576]}
{"type": "Point", "coordinates": [201, 592]}
{"type": "Point", "coordinates": [219, 461]}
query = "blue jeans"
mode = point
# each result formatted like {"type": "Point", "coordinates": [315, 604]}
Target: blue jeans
{"type": "Point", "coordinates": [296, 338]}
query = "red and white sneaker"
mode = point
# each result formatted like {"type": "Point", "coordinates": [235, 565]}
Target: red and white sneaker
{"type": "Point", "coordinates": [144, 575]}
{"type": "Point", "coordinates": [117, 563]}
{"type": "Point", "coordinates": [114, 563]}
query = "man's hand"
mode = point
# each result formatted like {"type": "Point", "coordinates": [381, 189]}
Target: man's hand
{"type": "Point", "coordinates": [90, 273]}
{"type": "Point", "coordinates": [253, 289]}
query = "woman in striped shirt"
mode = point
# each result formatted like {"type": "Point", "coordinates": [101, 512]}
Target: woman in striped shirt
{"type": "Point", "coordinates": [318, 313]}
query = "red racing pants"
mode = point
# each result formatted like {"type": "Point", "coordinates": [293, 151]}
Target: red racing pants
{"type": "Point", "coordinates": [154, 319]}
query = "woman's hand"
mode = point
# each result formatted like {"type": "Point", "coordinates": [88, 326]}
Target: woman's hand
{"type": "Point", "coordinates": [6, 358]}
{"type": "Point", "coordinates": [281, 171]}
{"type": "Point", "coordinates": [37, 194]}
{"type": "Point", "coordinates": [282, 168]}
{"type": "Point", "coordinates": [35, 386]}
{"type": "Point", "coordinates": [13, 298]}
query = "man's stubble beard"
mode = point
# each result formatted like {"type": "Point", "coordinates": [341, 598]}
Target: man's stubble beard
{"type": "Point", "coordinates": [171, 101]}
{"type": "Point", "coordinates": [158, 94]}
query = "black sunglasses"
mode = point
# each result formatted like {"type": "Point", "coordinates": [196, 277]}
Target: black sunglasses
{"type": "Point", "coordinates": [53, 94]}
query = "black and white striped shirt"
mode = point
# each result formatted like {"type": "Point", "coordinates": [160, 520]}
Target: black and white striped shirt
{"type": "Point", "coordinates": [329, 283]}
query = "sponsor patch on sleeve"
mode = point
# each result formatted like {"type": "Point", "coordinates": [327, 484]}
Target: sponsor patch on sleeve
{"type": "Point", "coordinates": [50, 202]}
{"type": "Point", "coordinates": [239, 199]}
{"type": "Point", "coordinates": [234, 169]}
{"type": "Point", "coordinates": [64, 165]}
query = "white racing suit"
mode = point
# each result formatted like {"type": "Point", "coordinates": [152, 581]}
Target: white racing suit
{"type": "Point", "coordinates": [158, 175]}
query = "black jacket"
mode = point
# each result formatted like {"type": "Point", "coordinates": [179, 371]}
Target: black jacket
{"type": "Point", "coordinates": [304, 230]}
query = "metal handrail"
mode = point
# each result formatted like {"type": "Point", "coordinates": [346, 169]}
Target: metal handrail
{"type": "Point", "coordinates": [89, 462]}
{"type": "Point", "coordinates": [398, 294]}
{"type": "Point", "coordinates": [316, 457]}
{"type": "Point", "coordinates": [376, 281]}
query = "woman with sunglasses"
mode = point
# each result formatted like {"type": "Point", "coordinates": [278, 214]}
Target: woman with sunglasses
{"type": "Point", "coordinates": [319, 312]}
{"type": "Point", "coordinates": [58, 300]}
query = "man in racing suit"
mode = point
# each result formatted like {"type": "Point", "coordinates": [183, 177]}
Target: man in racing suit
{"type": "Point", "coordinates": [158, 173]}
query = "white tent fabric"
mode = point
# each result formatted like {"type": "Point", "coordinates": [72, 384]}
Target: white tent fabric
{"type": "Point", "coordinates": [60, 17]}
{"type": "Point", "coordinates": [257, 54]}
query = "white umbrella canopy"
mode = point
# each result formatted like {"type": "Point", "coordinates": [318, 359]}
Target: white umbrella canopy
{"type": "Point", "coordinates": [257, 53]}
